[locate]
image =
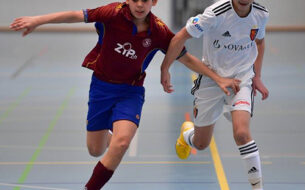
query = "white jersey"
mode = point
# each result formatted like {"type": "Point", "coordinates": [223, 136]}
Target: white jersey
{"type": "Point", "coordinates": [228, 40]}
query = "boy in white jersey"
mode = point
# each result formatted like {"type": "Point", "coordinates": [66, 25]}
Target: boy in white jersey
{"type": "Point", "coordinates": [233, 46]}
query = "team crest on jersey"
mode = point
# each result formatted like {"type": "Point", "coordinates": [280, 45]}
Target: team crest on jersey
{"type": "Point", "coordinates": [253, 32]}
{"type": "Point", "coordinates": [146, 42]}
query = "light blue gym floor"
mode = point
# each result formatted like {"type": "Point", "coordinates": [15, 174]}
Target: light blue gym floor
{"type": "Point", "coordinates": [43, 106]}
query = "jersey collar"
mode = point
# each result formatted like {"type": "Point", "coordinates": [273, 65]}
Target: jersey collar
{"type": "Point", "coordinates": [127, 14]}
{"type": "Point", "coordinates": [241, 18]}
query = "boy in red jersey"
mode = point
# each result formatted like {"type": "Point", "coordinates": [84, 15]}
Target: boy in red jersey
{"type": "Point", "coordinates": [129, 37]}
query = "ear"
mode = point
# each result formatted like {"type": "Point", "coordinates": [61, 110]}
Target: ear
{"type": "Point", "coordinates": [154, 2]}
{"type": "Point", "coordinates": [127, 1]}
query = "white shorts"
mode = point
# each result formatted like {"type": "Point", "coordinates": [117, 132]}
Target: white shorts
{"type": "Point", "coordinates": [210, 101]}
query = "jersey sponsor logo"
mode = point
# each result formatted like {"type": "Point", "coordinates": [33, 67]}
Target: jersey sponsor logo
{"type": "Point", "coordinates": [146, 42]}
{"type": "Point", "coordinates": [216, 44]}
{"type": "Point", "coordinates": [232, 47]}
{"type": "Point", "coordinates": [195, 23]}
{"type": "Point", "coordinates": [241, 103]}
{"type": "Point", "coordinates": [253, 32]}
{"type": "Point", "coordinates": [126, 50]}
{"type": "Point", "coordinates": [195, 20]}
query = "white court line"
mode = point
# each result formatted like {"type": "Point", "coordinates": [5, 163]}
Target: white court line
{"type": "Point", "coordinates": [28, 186]}
{"type": "Point", "coordinates": [133, 148]}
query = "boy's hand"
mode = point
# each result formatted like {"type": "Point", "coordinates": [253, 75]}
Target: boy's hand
{"type": "Point", "coordinates": [225, 83]}
{"type": "Point", "coordinates": [27, 23]}
{"type": "Point", "coordinates": [257, 84]}
{"type": "Point", "coordinates": [165, 81]}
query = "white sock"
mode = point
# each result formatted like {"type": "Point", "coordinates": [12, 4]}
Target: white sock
{"type": "Point", "coordinates": [250, 155]}
{"type": "Point", "coordinates": [188, 136]}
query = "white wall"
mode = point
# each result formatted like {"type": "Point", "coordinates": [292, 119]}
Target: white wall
{"type": "Point", "coordinates": [10, 9]}
{"type": "Point", "coordinates": [282, 12]}
{"type": "Point", "coordinates": [285, 12]}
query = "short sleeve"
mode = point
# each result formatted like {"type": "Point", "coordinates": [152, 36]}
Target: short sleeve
{"type": "Point", "coordinates": [262, 28]}
{"type": "Point", "coordinates": [198, 25]}
{"type": "Point", "coordinates": [168, 37]}
{"type": "Point", "coordinates": [100, 14]}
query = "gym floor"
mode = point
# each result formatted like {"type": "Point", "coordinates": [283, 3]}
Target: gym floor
{"type": "Point", "coordinates": [43, 106]}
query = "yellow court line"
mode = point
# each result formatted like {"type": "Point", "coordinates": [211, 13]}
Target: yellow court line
{"type": "Point", "coordinates": [92, 163]}
{"type": "Point", "coordinates": [221, 176]}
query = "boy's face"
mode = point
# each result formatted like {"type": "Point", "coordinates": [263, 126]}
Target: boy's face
{"type": "Point", "coordinates": [140, 8]}
{"type": "Point", "coordinates": [242, 5]}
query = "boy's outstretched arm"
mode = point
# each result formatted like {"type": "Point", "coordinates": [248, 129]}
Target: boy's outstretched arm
{"type": "Point", "coordinates": [192, 63]}
{"type": "Point", "coordinates": [175, 47]}
{"type": "Point", "coordinates": [257, 82]}
{"type": "Point", "coordinates": [29, 23]}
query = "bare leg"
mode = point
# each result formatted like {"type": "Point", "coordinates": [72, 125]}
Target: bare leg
{"type": "Point", "coordinates": [241, 123]}
{"type": "Point", "coordinates": [123, 132]}
{"type": "Point", "coordinates": [247, 147]}
{"type": "Point", "coordinates": [202, 136]}
{"type": "Point", "coordinates": [97, 142]}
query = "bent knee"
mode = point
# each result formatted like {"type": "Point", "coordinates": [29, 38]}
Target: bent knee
{"type": "Point", "coordinates": [201, 145]}
{"type": "Point", "coordinates": [123, 145]}
{"type": "Point", "coordinates": [95, 152]}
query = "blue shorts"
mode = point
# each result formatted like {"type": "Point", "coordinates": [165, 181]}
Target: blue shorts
{"type": "Point", "coordinates": [112, 102]}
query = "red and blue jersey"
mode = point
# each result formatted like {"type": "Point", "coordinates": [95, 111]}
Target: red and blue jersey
{"type": "Point", "coordinates": [122, 54]}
